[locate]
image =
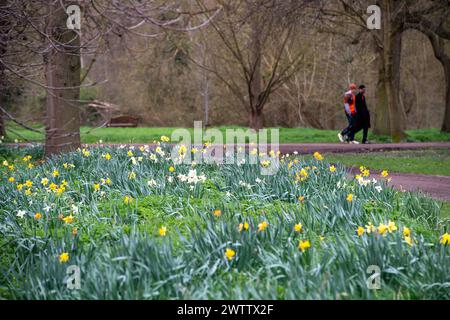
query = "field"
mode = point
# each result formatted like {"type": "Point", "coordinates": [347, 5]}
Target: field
{"type": "Point", "coordinates": [147, 135]}
{"type": "Point", "coordinates": [140, 225]}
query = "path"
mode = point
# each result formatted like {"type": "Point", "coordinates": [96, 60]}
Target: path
{"type": "Point", "coordinates": [437, 187]}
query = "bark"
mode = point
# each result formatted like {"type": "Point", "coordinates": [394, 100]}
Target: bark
{"type": "Point", "coordinates": [256, 121]}
{"type": "Point", "coordinates": [381, 115]}
{"type": "Point", "coordinates": [256, 82]}
{"type": "Point", "coordinates": [391, 33]}
{"type": "Point", "coordinates": [62, 73]}
{"type": "Point", "coordinates": [3, 84]}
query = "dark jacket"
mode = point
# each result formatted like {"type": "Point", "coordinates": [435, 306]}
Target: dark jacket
{"type": "Point", "coordinates": [362, 112]}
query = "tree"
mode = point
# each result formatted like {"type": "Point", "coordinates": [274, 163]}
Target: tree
{"type": "Point", "coordinates": [254, 37]}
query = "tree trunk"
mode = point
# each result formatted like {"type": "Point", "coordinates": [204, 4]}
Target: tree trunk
{"type": "Point", "coordinates": [4, 23]}
{"type": "Point", "coordinates": [381, 119]}
{"type": "Point", "coordinates": [62, 73]}
{"type": "Point", "coordinates": [391, 57]}
{"type": "Point", "coordinates": [446, 124]}
{"type": "Point", "coordinates": [256, 121]}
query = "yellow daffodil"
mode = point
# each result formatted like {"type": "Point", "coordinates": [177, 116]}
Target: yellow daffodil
{"type": "Point", "coordinates": [53, 186]}
{"type": "Point", "coordinates": [262, 226]}
{"type": "Point", "coordinates": [68, 219]}
{"type": "Point", "coordinates": [11, 179]}
{"type": "Point", "coordinates": [382, 229]}
{"type": "Point", "coordinates": [55, 173]}
{"type": "Point", "coordinates": [182, 150]}
{"type": "Point", "coordinates": [132, 175]}
{"type": "Point", "coordinates": [301, 199]}
{"type": "Point", "coordinates": [130, 153]}
{"type": "Point", "coordinates": [165, 139]}
{"type": "Point", "coordinates": [229, 254]}
{"type": "Point", "coordinates": [298, 227]}
{"type": "Point", "coordinates": [406, 232]}
{"type": "Point", "coordinates": [30, 166]}
{"type": "Point", "coordinates": [385, 174]}
{"type": "Point", "coordinates": [445, 239]}
{"type": "Point", "coordinates": [63, 257]}
{"type": "Point", "coordinates": [44, 181]}
{"type": "Point", "coordinates": [332, 169]}
{"type": "Point", "coordinates": [28, 192]}
{"type": "Point", "coordinates": [303, 245]}
{"type": "Point", "coordinates": [107, 157]}
{"type": "Point", "coordinates": [360, 231]}
{"type": "Point", "coordinates": [28, 183]}
{"type": "Point", "coordinates": [318, 156]}
{"type": "Point", "coordinates": [350, 197]}
{"type": "Point", "coordinates": [391, 226]}
{"type": "Point", "coordinates": [162, 231]}
{"type": "Point", "coordinates": [217, 212]}
{"type": "Point", "coordinates": [127, 200]}
{"type": "Point", "coordinates": [370, 228]}
{"type": "Point", "coordinates": [243, 226]}
{"type": "Point", "coordinates": [171, 169]}
{"type": "Point", "coordinates": [366, 173]}
{"type": "Point", "coordinates": [19, 186]}
{"type": "Point", "coordinates": [96, 186]}
{"type": "Point", "coordinates": [38, 216]}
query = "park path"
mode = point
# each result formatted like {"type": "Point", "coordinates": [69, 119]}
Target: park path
{"type": "Point", "coordinates": [436, 187]}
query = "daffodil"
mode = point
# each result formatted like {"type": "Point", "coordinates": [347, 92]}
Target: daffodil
{"type": "Point", "coordinates": [96, 186]}
{"type": "Point", "coordinates": [391, 226]}
{"type": "Point", "coordinates": [44, 181]}
{"type": "Point", "coordinates": [382, 229]}
{"type": "Point", "coordinates": [332, 169]}
{"type": "Point", "coordinates": [243, 226]}
{"type": "Point", "coordinates": [28, 183]}
{"type": "Point", "coordinates": [55, 173]}
{"type": "Point", "coordinates": [298, 227]}
{"type": "Point", "coordinates": [370, 228]}
{"type": "Point", "coordinates": [38, 216]}
{"type": "Point", "coordinates": [350, 197]}
{"type": "Point", "coordinates": [229, 254]}
{"type": "Point", "coordinates": [385, 174]}
{"type": "Point", "coordinates": [68, 219]}
{"type": "Point", "coordinates": [445, 239]}
{"type": "Point", "coordinates": [162, 231]}
{"type": "Point", "coordinates": [165, 139]}
{"type": "Point", "coordinates": [360, 231]}
{"type": "Point", "coordinates": [318, 156]}
{"type": "Point", "coordinates": [303, 245]}
{"type": "Point", "coordinates": [262, 226]}
{"type": "Point", "coordinates": [406, 232]}
{"type": "Point", "coordinates": [107, 157]}
{"type": "Point", "coordinates": [11, 179]}
{"type": "Point", "coordinates": [132, 175]}
{"type": "Point", "coordinates": [171, 169]}
{"type": "Point", "coordinates": [64, 257]}
{"type": "Point", "coordinates": [217, 212]}
{"type": "Point", "coordinates": [130, 153]}
{"type": "Point", "coordinates": [127, 200]}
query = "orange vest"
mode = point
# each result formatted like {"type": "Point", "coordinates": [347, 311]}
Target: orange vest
{"type": "Point", "coordinates": [350, 98]}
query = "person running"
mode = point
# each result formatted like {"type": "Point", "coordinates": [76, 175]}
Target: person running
{"type": "Point", "coordinates": [348, 134]}
{"type": "Point", "coordinates": [363, 114]}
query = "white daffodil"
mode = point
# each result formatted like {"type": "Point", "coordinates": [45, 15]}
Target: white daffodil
{"type": "Point", "coordinates": [21, 213]}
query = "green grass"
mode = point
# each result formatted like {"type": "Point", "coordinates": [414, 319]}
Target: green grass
{"type": "Point", "coordinates": [146, 135]}
{"type": "Point", "coordinates": [122, 256]}
{"type": "Point", "coordinates": [431, 162]}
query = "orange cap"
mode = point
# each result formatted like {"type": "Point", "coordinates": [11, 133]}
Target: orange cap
{"type": "Point", "coordinates": [352, 86]}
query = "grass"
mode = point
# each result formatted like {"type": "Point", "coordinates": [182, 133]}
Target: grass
{"type": "Point", "coordinates": [431, 162]}
{"type": "Point", "coordinates": [147, 134]}
{"type": "Point", "coordinates": [122, 255]}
